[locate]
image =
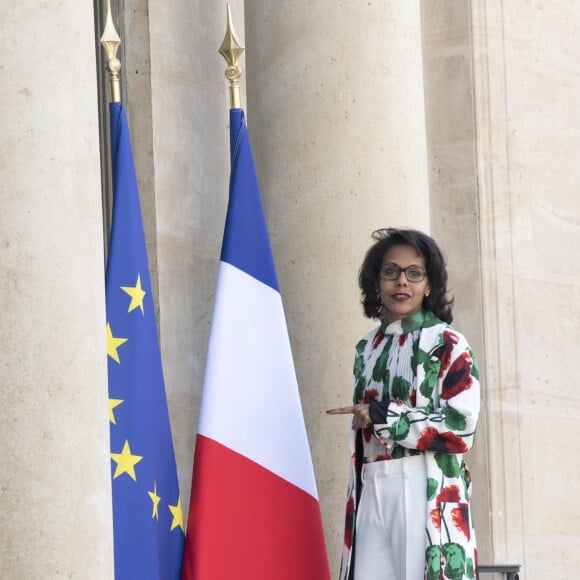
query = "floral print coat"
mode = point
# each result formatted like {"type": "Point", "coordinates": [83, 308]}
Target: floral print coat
{"type": "Point", "coordinates": [440, 426]}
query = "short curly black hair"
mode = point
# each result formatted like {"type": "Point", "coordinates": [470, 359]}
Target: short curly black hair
{"type": "Point", "coordinates": [437, 302]}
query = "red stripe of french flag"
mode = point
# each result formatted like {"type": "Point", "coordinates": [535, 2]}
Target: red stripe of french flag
{"type": "Point", "coordinates": [254, 511]}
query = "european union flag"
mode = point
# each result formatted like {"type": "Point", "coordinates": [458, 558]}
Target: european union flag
{"type": "Point", "coordinates": [147, 514]}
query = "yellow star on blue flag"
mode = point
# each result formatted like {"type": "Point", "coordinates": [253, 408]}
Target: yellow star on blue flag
{"type": "Point", "coordinates": [141, 444]}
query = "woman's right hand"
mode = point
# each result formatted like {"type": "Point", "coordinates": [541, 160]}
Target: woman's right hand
{"type": "Point", "coordinates": [360, 414]}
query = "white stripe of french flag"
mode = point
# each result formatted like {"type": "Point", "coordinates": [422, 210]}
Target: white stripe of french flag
{"type": "Point", "coordinates": [254, 511]}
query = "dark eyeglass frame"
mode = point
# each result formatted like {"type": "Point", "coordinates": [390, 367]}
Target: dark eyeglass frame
{"type": "Point", "coordinates": [398, 271]}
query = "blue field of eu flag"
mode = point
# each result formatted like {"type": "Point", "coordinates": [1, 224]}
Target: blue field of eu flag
{"type": "Point", "coordinates": [147, 514]}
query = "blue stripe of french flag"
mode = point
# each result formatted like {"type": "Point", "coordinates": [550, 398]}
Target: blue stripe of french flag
{"type": "Point", "coordinates": [254, 511]}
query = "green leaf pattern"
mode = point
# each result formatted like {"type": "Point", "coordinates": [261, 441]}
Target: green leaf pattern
{"type": "Point", "coordinates": [360, 381]}
{"type": "Point", "coordinates": [474, 366]}
{"type": "Point", "coordinates": [432, 485]}
{"type": "Point", "coordinates": [431, 373]}
{"type": "Point", "coordinates": [400, 428]}
{"type": "Point", "coordinates": [448, 464]}
{"type": "Point", "coordinates": [469, 568]}
{"type": "Point", "coordinates": [433, 562]}
{"type": "Point", "coordinates": [380, 368]}
{"type": "Point", "coordinates": [454, 419]}
{"type": "Point", "coordinates": [454, 556]}
{"type": "Point", "coordinates": [401, 389]}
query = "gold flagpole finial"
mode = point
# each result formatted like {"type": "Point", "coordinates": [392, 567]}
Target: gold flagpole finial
{"type": "Point", "coordinates": [110, 41]}
{"type": "Point", "coordinates": [232, 50]}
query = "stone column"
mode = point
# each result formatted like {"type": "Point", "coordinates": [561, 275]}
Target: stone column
{"type": "Point", "coordinates": [55, 497]}
{"type": "Point", "coordinates": [337, 122]}
{"type": "Point", "coordinates": [527, 86]}
{"type": "Point", "coordinates": [455, 218]}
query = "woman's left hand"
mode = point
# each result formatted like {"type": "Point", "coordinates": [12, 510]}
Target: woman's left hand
{"type": "Point", "coordinates": [360, 415]}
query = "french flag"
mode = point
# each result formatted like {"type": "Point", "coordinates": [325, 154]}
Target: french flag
{"type": "Point", "coordinates": [254, 512]}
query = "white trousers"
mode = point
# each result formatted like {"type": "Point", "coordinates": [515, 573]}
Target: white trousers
{"type": "Point", "coordinates": [391, 519]}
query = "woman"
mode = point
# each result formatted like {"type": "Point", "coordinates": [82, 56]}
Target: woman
{"type": "Point", "coordinates": [416, 405]}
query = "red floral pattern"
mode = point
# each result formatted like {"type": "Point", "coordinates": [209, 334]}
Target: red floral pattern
{"type": "Point", "coordinates": [370, 395]}
{"type": "Point", "coordinates": [349, 523]}
{"type": "Point", "coordinates": [448, 494]}
{"type": "Point", "coordinates": [378, 339]}
{"type": "Point", "coordinates": [442, 442]}
{"type": "Point", "coordinates": [458, 378]}
{"type": "Point", "coordinates": [444, 353]}
{"type": "Point", "coordinates": [435, 515]}
{"type": "Point", "coordinates": [460, 517]}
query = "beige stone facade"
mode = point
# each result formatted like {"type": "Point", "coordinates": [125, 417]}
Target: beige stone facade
{"type": "Point", "coordinates": [458, 118]}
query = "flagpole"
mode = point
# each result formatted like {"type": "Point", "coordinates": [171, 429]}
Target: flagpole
{"type": "Point", "coordinates": [110, 41]}
{"type": "Point", "coordinates": [148, 528]}
{"type": "Point", "coordinates": [232, 50]}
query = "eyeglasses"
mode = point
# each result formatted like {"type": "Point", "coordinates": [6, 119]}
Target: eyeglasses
{"type": "Point", "coordinates": [412, 273]}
